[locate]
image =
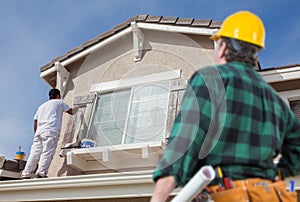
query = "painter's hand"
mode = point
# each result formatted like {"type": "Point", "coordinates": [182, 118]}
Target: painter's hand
{"type": "Point", "coordinates": [75, 109]}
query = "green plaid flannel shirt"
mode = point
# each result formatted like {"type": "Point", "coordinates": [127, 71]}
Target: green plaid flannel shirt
{"type": "Point", "coordinates": [230, 117]}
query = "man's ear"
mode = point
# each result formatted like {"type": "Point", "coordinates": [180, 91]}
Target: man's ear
{"type": "Point", "coordinates": [222, 50]}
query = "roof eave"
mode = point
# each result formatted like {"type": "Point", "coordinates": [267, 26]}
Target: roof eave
{"type": "Point", "coordinates": [97, 186]}
{"type": "Point", "coordinates": [284, 73]}
{"type": "Point", "coordinates": [173, 23]}
{"type": "Point", "coordinates": [158, 23]}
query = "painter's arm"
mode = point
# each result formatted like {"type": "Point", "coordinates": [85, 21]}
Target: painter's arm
{"type": "Point", "coordinates": [163, 187]}
{"type": "Point", "coordinates": [34, 125]}
{"type": "Point", "coordinates": [73, 110]}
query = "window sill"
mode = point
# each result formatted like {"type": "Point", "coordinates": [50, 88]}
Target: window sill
{"type": "Point", "coordinates": [116, 157]}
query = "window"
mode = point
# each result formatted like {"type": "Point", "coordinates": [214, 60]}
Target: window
{"type": "Point", "coordinates": [295, 107]}
{"type": "Point", "coordinates": [133, 115]}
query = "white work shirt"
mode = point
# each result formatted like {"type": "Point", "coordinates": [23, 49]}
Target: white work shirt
{"type": "Point", "coordinates": [49, 116]}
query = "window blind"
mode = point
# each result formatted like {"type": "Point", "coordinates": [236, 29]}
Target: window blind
{"type": "Point", "coordinates": [109, 118]}
{"type": "Point", "coordinates": [295, 107]}
{"type": "Point", "coordinates": [135, 115]}
{"type": "Point", "coordinates": [148, 113]}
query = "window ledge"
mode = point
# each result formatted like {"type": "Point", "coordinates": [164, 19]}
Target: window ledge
{"type": "Point", "coordinates": [116, 157]}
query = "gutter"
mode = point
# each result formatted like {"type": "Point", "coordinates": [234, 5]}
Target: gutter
{"type": "Point", "coordinates": [279, 75]}
{"type": "Point", "coordinates": [178, 29]}
{"type": "Point", "coordinates": [82, 187]}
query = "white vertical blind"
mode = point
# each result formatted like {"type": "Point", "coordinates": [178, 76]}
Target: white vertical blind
{"type": "Point", "coordinates": [295, 107]}
{"type": "Point", "coordinates": [148, 113]}
{"type": "Point", "coordinates": [109, 118]}
{"type": "Point", "coordinates": [141, 120]}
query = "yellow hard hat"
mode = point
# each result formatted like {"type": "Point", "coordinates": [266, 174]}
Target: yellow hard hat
{"type": "Point", "coordinates": [244, 26]}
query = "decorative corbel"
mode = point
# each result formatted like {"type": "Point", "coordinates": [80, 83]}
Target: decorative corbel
{"type": "Point", "coordinates": [62, 76]}
{"type": "Point", "coordinates": [138, 41]}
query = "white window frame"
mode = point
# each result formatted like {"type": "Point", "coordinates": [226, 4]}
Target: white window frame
{"type": "Point", "coordinates": [132, 83]}
{"type": "Point", "coordinates": [112, 157]}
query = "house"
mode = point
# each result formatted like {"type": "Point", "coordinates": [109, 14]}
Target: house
{"type": "Point", "coordinates": [128, 83]}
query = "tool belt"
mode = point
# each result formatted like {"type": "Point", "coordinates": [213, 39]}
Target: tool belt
{"type": "Point", "coordinates": [253, 190]}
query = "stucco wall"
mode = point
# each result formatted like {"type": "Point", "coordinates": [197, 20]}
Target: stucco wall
{"type": "Point", "coordinates": [163, 51]}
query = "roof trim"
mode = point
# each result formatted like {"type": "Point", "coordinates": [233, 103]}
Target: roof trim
{"type": "Point", "coordinates": [279, 67]}
{"type": "Point", "coordinates": [160, 20]}
{"type": "Point", "coordinates": [180, 29]}
{"type": "Point", "coordinates": [114, 185]}
{"type": "Point", "coordinates": [142, 20]}
{"type": "Point", "coordinates": [283, 73]}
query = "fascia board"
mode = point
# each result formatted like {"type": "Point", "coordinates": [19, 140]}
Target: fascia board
{"type": "Point", "coordinates": [279, 75]}
{"type": "Point", "coordinates": [178, 29]}
{"type": "Point", "coordinates": [115, 185]}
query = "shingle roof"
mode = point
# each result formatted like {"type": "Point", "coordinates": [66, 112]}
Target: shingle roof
{"type": "Point", "coordinates": [280, 67]}
{"type": "Point", "coordinates": [190, 22]}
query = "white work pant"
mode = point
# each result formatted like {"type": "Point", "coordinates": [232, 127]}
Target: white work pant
{"type": "Point", "coordinates": [42, 151]}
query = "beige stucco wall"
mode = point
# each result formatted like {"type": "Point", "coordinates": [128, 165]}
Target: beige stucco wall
{"type": "Point", "coordinates": [163, 51]}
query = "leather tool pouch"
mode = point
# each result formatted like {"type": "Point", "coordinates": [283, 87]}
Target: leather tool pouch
{"type": "Point", "coordinates": [234, 195]}
{"type": "Point", "coordinates": [257, 192]}
{"type": "Point", "coordinates": [275, 191]}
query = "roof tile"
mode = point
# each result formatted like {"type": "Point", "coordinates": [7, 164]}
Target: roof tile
{"type": "Point", "coordinates": [90, 42]}
{"type": "Point", "coordinates": [141, 18]}
{"type": "Point", "coordinates": [59, 58]}
{"type": "Point", "coordinates": [281, 67]}
{"type": "Point", "coordinates": [153, 19]}
{"type": "Point", "coordinates": [106, 34]}
{"type": "Point", "coordinates": [46, 66]}
{"type": "Point", "coordinates": [133, 19]}
{"type": "Point", "coordinates": [75, 50]}
{"type": "Point", "coordinates": [120, 26]}
{"type": "Point", "coordinates": [201, 23]}
{"type": "Point", "coordinates": [168, 20]}
{"type": "Point", "coordinates": [215, 24]}
{"type": "Point", "coordinates": [184, 21]}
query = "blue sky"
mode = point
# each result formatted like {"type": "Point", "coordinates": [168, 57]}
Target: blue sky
{"type": "Point", "coordinates": [33, 32]}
